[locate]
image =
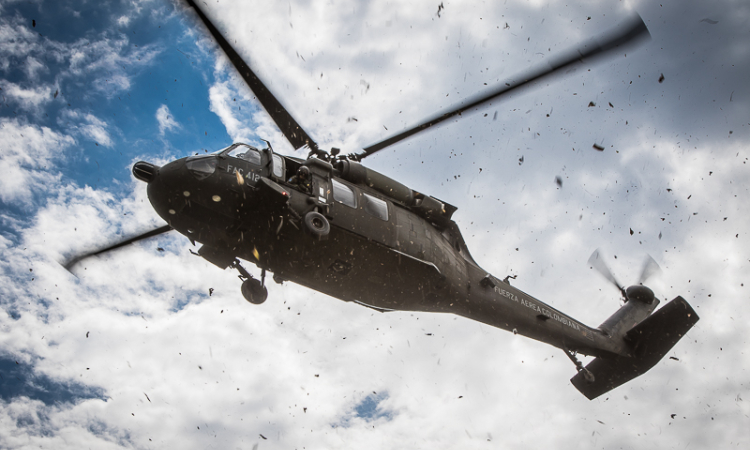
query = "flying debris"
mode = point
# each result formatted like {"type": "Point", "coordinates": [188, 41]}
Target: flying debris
{"type": "Point", "coordinates": [332, 224]}
{"type": "Point", "coordinates": [598, 147]}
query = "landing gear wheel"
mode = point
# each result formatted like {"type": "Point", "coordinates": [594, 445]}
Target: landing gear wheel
{"type": "Point", "coordinates": [253, 291]}
{"type": "Point", "coordinates": [317, 224]}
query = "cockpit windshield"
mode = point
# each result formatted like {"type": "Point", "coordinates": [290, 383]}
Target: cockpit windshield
{"type": "Point", "coordinates": [222, 150]}
{"type": "Point", "coordinates": [244, 151]}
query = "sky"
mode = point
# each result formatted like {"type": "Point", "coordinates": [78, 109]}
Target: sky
{"type": "Point", "coordinates": [134, 352]}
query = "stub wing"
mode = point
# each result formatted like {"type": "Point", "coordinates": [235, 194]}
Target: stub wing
{"type": "Point", "coordinates": [651, 340]}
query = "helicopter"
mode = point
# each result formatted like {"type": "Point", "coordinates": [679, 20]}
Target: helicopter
{"type": "Point", "coordinates": [333, 225]}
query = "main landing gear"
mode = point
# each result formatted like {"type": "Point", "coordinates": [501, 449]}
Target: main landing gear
{"type": "Point", "coordinates": [253, 290]}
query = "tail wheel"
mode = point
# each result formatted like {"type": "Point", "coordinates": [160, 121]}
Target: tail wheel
{"type": "Point", "coordinates": [317, 224]}
{"type": "Point", "coordinates": [253, 291]}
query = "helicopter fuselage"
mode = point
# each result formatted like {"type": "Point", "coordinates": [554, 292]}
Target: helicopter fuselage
{"type": "Point", "coordinates": [377, 252]}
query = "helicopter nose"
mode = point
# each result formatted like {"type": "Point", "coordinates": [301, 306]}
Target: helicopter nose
{"type": "Point", "coordinates": [145, 171]}
{"type": "Point", "coordinates": [165, 185]}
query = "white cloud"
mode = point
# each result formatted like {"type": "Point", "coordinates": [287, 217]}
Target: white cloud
{"type": "Point", "coordinates": [86, 125]}
{"type": "Point", "coordinates": [27, 98]}
{"type": "Point", "coordinates": [28, 153]}
{"type": "Point", "coordinates": [33, 67]}
{"type": "Point", "coordinates": [109, 60]}
{"type": "Point", "coordinates": [166, 122]}
{"type": "Point", "coordinates": [17, 40]}
{"type": "Point", "coordinates": [222, 98]}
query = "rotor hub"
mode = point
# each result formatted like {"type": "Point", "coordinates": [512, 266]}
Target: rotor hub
{"type": "Point", "coordinates": [640, 293]}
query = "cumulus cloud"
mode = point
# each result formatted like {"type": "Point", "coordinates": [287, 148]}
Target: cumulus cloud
{"type": "Point", "coordinates": [222, 97]}
{"type": "Point", "coordinates": [123, 21]}
{"type": "Point", "coordinates": [165, 120]}
{"type": "Point", "coordinates": [29, 151]}
{"type": "Point", "coordinates": [108, 58]}
{"type": "Point", "coordinates": [86, 125]}
{"type": "Point", "coordinates": [33, 67]}
{"type": "Point", "coordinates": [30, 98]}
{"type": "Point", "coordinates": [18, 41]}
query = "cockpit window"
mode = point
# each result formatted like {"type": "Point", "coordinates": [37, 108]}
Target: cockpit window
{"type": "Point", "coordinates": [278, 166]}
{"type": "Point", "coordinates": [247, 153]}
{"type": "Point", "coordinates": [344, 194]}
{"type": "Point", "coordinates": [376, 207]}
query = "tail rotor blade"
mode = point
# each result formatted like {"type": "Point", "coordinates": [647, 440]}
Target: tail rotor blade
{"type": "Point", "coordinates": [650, 268]}
{"type": "Point", "coordinates": [597, 262]}
{"type": "Point", "coordinates": [155, 232]}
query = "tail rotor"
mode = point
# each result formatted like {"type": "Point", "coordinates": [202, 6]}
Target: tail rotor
{"type": "Point", "coordinates": [636, 292]}
{"type": "Point", "coordinates": [650, 268]}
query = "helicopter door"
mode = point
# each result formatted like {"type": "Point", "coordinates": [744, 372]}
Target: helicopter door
{"type": "Point", "coordinates": [344, 206]}
{"type": "Point", "coordinates": [321, 173]}
{"type": "Point", "coordinates": [361, 213]}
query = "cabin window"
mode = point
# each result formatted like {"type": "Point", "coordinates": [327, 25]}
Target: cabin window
{"type": "Point", "coordinates": [247, 153]}
{"type": "Point", "coordinates": [376, 207]}
{"type": "Point", "coordinates": [278, 166]}
{"type": "Point", "coordinates": [344, 194]}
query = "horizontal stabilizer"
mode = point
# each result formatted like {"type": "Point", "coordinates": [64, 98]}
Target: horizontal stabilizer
{"type": "Point", "coordinates": [651, 340]}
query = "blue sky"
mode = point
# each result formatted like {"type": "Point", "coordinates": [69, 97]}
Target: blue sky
{"type": "Point", "coordinates": [121, 68]}
{"type": "Point", "coordinates": [134, 353]}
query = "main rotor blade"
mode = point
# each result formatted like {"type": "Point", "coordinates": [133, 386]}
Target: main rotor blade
{"type": "Point", "coordinates": [597, 262]}
{"type": "Point", "coordinates": [155, 232]}
{"type": "Point", "coordinates": [629, 33]}
{"type": "Point", "coordinates": [286, 123]}
{"type": "Point", "coordinates": [650, 268]}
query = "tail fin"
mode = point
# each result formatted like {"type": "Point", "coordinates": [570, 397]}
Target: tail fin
{"type": "Point", "coordinates": [650, 340]}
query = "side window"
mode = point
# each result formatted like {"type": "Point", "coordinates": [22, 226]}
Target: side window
{"type": "Point", "coordinates": [278, 166]}
{"type": "Point", "coordinates": [376, 207]}
{"type": "Point", "coordinates": [344, 194]}
{"type": "Point", "coordinates": [250, 155]}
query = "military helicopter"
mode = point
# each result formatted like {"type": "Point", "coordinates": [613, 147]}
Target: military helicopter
{"type": "Point", "coordinates": [331, 224]}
